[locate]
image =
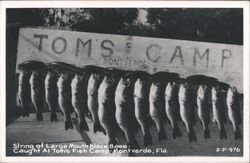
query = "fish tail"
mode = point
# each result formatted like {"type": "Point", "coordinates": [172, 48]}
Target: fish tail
{"type": "Point", "coordinates": [111, 145]}
{"type": "Point", "coordinates": [147, 140]}
{"type": "Point", "coordinates": [53, 117]}
{"type": "Point", "coordinates": [133, 144]}
{"type": "Point", "coordinates": [83, 125]}
{"type": "Point", "coordinates": [176, 132]}
{"type": "Point", "coordinates": [162, 135]}
{"type": "Point", "coordinates": [192, 136]}
{"type": "Point", "coordinates": [68, 124]}
{"type": "Point", "coordinates": [98, 127]}
{"type": "Point", "coordinates": [75, 113]}
{"type": "Point", "coordinates": [25, 113]}
{"type": "Point", "coordinates": [237, 134]}
{"type": "Point", "coordinates": [39, 117]}
{"type": "Point", "coordinates": [223, 134]}
{"type": "Point", "coordinates": [19, 101]}
{"type": "Point", "coordinates": [207, 133]}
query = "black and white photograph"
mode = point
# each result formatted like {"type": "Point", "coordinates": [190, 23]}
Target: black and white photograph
{"type": "Point", "coordinates": [136, 81]}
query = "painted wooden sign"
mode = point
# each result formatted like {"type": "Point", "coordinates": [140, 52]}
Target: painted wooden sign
{"type": "Point", "coordinates": [222, 61]}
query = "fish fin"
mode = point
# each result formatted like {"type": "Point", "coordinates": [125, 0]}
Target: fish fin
{"type": "Point", "coordinates": [224, 117]}
{"type": "Point", "coordinates": [192, 136]}
{"type": "Point", "coordinates": [149, 121]}
{"type": "Point", "coordinates": [75, 114]}
{"type": "Point", "coordinates": [177, 111]}
{"type": "Point", "coordinates": [208, 119]}
{"type": "Point", "coordinates": [193, 117]}
{"type": "Point", "coordinates": [111, 145]}
{"type": "Point", "coordinates": [98, 127]}
{"type": "Point", "coordinates": [39, 117]}
{"type": "Point", "coordinates": [213, 120]}
{"type": "Point", "coordinates": [168, 121]}
{"type": "Point", "coordinates": [147, 140]}
{"type": "Point", "coordinates": [68, 125]}
{"type": "Point", "coordinates": [207, 133]}
{"type": "Point", "coordinates": [207, 115]}
{"type": "Point", "coordinates": [201, 122]}
{"type": "Point", "coordinates": [178, 118]}
{"type": "Point", "coordinates": [162, 135]}
{"type": "Point", "coordinates": [176, 132]}
{"type": "Point", "coordinates": [19, 102]}
{"type": "Point", "coordinates": [223, 134]}
{"type": "Point", "coordinates": [53, 117]}
{"type": "Point", "coordinates": [164, 118]}
{"type": "Point", "coordinates": [18, 98]}
{"type": "Point", "coordinates": [237, 134]}
{"type": "Point", "coordinates": [83, 126]}
{"type": "Point", "coordinates": [183, 123]}
{"type": "Point", "coordinates": [135, 127]}
{"type": "Point", "coordinates": [25, 113]}
{"type": "Point", "coordinates": [239, 119]}
{"type": "Point", "coordinates": [95, 127]}
{"type": "Point", "coordinates": [134, 144]}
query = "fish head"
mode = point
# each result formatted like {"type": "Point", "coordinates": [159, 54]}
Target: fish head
{"type": "Point", "coordinates": [126, 82]}
{"type": "Point", "coordinates": [75, 79]}
{"type": "Point", "coordinates": [232, 93]}
{"type": "Point", "coordinates": [202, 88]}
{"type": "Point", "coordinates": [96, 76]}
{"type": "Point", "coordinates": [141, 88]}
{"type": "Point", "coordinates": [35, 73]}
{"type": "Point", "coordinates": [185, 86]}
{"type": "Point", "coordinates": [183, 91]}
{"type": "Point", "coordinates": [215, 92]}
{"type": "Point", "coordinates": [64, 76]}
{"type": "Point", "coordinates": [24, 77]}
{"type": "Point", "coordinates": [60, 79]}
{"type": "Point", "coordinates": [67, 77]}
{"type": "Point", "coordinates": [105, 79]}
{"type": "Point", "coordinates": [156, 84]}
{"type": "Point", "coordinates": [50, 77]}
{"type": "Point", "coordinates": [140, 82]}
{"type": "Point", "coordinates": [23, 72]}
{"type": "Point", "coordinates": [155, 89]}
{"type": "Point", "coordinates": [153, 86]}
{"type": "Point", "coordinates": [232, 90]}
{"type": "Point", "coordinates": [108, 80]}
{"type": "Point", "coordinates": [80, 77]}
{"type": "Point", "coordinates": [202, 91]}
{"type": "Point", "coordinates": [170, 89]}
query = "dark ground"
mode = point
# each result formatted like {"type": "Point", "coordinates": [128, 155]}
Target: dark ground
{"type": "Point", "coordinates": [28, 131]}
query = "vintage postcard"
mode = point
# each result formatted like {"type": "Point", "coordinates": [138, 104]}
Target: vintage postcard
{"type": "Point", "coordinates": [121, 81]}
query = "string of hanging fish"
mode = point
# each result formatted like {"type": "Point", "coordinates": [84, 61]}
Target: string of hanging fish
{"type": "Point", "coordinates": [128, 100]}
